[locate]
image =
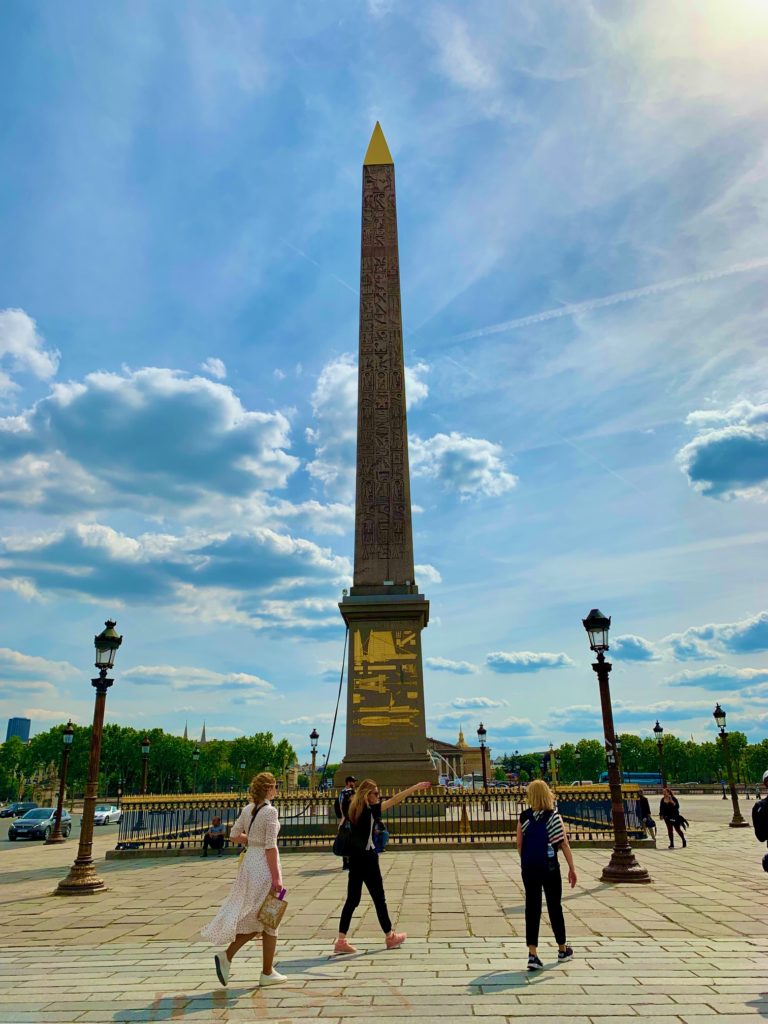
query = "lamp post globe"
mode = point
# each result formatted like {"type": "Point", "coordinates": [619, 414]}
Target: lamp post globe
{"type": "Point", "coordinates": [623, 866]}
{"type": "Point", "coordinates": [737, 821]}
{"type": "Point", "coordinates": [82, 879]}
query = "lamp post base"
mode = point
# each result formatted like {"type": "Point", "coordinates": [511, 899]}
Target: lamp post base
{"type": "Point", "coordinates": [738, 823]}
{"type": "Point", "coordinates": [623, 867]}
{"type": "Point", "coordinates": [82, 880]}
{"type": "Point", "coordinates": [55, 840]}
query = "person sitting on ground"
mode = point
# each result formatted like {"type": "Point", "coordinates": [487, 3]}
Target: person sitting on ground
{"type": "Point", "coordinates": [214, 837]}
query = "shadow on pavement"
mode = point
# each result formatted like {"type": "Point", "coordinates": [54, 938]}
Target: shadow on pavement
{"type": "Point", "coordinates": [495, 980]}
{"type": "Point", "coordinates": [760, 1003]}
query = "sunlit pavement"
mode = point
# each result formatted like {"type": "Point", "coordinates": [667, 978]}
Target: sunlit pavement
{"type": "Point", "coordinates": [691, 945]}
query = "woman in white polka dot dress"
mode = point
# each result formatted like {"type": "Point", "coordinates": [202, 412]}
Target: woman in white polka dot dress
{"type": "Point", "coordinates": [236, 922]}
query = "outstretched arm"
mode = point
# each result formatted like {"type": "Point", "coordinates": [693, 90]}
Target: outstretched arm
{"type": "Point", "coordinates": [398, 797]}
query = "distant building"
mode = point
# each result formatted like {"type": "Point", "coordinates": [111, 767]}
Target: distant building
{"type": "Point", "coordinates": [18, 727]}
{"type": "Point", "coordinates": [463, 759]}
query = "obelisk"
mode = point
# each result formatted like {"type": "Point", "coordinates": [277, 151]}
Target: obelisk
{"type": "Point", "coordinates": [385, 613]}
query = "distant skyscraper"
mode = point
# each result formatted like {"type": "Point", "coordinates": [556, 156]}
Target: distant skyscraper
{"type": "Point", "coordinates": [18, 727]}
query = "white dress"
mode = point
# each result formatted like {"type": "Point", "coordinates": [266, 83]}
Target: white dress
{"type": "Point", "coordinates": [253, 882]}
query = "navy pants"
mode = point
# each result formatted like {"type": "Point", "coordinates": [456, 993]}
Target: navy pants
{"type": "Point", "coordinates": [364, 870]}
{"type": "Point", "coordinates": [552, 884]}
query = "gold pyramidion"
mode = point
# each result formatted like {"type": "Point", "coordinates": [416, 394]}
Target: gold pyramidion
{"type": "Point", "coordinates": [378, 150]}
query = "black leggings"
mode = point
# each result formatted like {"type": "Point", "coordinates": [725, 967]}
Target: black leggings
{"type": "Point", "coordinates": [673, 825]}
{"type": "Point", "coordinates": [552, 884]}
{"type": "Point", "coordinates": [364, 870]}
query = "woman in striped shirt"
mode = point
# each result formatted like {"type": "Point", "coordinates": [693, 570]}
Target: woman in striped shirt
{"type": "Point", "coordinates": [540, 834]}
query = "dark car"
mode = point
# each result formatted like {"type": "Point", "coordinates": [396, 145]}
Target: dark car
{"type": "Point", "coordinates": [16, 810]}
{"type": "Point", "coordinates": [38, 824]}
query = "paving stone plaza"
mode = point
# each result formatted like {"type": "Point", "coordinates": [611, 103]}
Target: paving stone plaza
{"type": "Point", "coordinates": [692, 945]}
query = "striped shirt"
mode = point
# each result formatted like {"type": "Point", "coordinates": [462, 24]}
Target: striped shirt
{"type": "Point", "coordinates": [555, 827]}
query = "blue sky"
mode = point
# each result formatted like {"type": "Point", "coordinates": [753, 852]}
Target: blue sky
{"type": "Point", "coordinates": [582, 201]}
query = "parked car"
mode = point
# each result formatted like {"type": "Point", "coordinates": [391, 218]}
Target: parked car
{"type": "Point", "coordinates": [16, 810]}
{"type": "Point", "coordinates": [38, 824]}
{"type": "Point", "coordinates": [105, 814]}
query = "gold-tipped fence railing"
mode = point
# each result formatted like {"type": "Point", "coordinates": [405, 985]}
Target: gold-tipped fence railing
{"type": "Point", "coordinates": [438, 817]}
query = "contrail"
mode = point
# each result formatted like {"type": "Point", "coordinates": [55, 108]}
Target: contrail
{"type": "Point", "coordinates": [319, 267]}
{"type": "Point", "coordinates": [612, 300]}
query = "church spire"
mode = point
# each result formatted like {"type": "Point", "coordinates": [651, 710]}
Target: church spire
{"type": "Point", "coordinates": [202, 735]}
{"type": "Point", "coordinates": [186, 734]}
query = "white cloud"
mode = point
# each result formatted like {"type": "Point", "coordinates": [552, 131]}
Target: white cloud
{"type": "Point", "coordinates": [459, 668]}
{"type": "Point", "coordinates": [728, 458]}
{"type": "Point", "coordinates": [179, 677]}
{"type": "Point", "coordinates": [427, 574]}
{"type": "Point", "coordinates": [334, 406]}
{"type": "Point", "coordinates": [513, 662]}
{"type": "Point", "coordinates": [24, 348]}
{"type": "Point", "coordinates": [633, 648]}
{"type": "Point", "coordinates": [747, 636]}
{"type": "Point", "coordinates": [476, 702]}
{"type": "Point", "coordinates": [470, 466]}
{"type": "Point", "coordinates": [48, 715]}
{"type": "Point", "coordinates": [163, 439]}
{"type": "Point", "coordinates": [719, 677]}
{"type": "Point", "coordinates": [214, 367]}
{"type": "Point", "coordinates": [460, 56]}
{"type": "Point", "coordinates": [14, 664]}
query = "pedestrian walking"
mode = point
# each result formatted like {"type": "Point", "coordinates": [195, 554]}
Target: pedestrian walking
{"type": "Point", "coordinates": [259, 874]}
{"type": "Point", "coordinates": [760, 819]}
{"type": "Point", "coordinates": [365, 808]}
{"type": "Point", "coordinates": [540, 836]}
{"type": "Point", "coordinates": [341, 805]}
{"type": "Point", "coordinates": [669, 812]}
{"type": "Point", "coordinates": [643, 811]}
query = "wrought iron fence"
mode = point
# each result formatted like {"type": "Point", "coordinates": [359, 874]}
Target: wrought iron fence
{"type": "Point", "coordinates": [436, 817]}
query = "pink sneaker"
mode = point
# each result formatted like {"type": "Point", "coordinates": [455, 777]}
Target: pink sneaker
{"type": "Point", "coordinates": [396, 939]}
{"type": "Point", "coordinates": [342, 946]}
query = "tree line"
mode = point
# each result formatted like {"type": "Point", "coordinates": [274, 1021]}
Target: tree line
{"type": "Point", "coordinates": [684, 760]}
{"type": "Point", "coordinates": [26, 768]}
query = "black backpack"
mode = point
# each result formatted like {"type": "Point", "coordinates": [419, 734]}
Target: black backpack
{"type": "Point", "coordinates": [533, 856]}
{"type": "Point", "coordinates": [760, 820]}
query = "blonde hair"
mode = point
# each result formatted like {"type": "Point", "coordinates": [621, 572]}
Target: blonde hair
{"type": "Point", "coordinates": [360, 799]}
{"type": "Point", "coordinates": [260, 786]}
{"type": "Point", "coordinates": [539, 796]}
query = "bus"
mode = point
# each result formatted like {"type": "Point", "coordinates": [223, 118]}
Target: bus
{"type": "Point", "coordinates": [640, 778]}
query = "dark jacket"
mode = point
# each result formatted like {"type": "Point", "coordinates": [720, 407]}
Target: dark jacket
{"type": "Point", "coordinates": [643, 808]}
{"type": "Point", "coordinates": [341, 803]}
{"type": "Point", "coordinates": [669, 812]}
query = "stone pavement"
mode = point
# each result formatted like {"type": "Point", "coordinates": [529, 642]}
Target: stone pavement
{"type": "Point", "coordinates": [692, 945]}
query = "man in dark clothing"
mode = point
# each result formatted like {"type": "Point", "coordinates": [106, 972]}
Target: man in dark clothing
{"type": "Point", "coordinates": [341, 808]}
{"type": "Point", "coordinates": [643, 811]}
{"type": "Point", "coordinates": [214, 837]}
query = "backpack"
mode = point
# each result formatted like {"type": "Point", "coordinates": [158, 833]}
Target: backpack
{"type": "Point", "coordinates": [760, 820]}
{"type": "Point", "coordinates": [534, 855]}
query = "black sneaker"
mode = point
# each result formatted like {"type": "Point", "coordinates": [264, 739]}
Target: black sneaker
{"type": "Point", "coordinates": [565, 954]}
{"type": "Point", "coordinates": [534, 964]}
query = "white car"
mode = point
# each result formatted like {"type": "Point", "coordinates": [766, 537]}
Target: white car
{"type": "Point", "coordinates": [105, 814]}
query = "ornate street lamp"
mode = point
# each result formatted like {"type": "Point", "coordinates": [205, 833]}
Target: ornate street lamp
{"type": "Point", "coordinates": [195, 759]}
{"type": "Point", "coordinates": [481, 734]}
{"type": "Point", "coordinates": [82, 878]}
{"type": "Point", "coordinates": [737, 821]}
{"type": "Point", "coordinates": [617, 747]}
{"type": "Point", "coordinates": [577, 759]}
{"type": "Point", "coordinates": [658, 732]}
{"type": "Point", "coordinates": [242, 776]}
{"type": "Point", "coordinates": [67, 737]}
{"type": "Point", "coordinates": [314, 736]}
{"type": "Point", "coordinates": [622, 867]}
{"type": "Point", "coordinates": [145, 745]}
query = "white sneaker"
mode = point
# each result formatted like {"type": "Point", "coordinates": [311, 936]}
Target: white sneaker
{"type": "Point", "coordinates": [222, 966]}
{"type": "Point", "coordinates": [272, 979]}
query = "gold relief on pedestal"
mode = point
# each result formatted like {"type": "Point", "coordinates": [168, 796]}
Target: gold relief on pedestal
{"type": "Point", "coordinates": [385, 680]}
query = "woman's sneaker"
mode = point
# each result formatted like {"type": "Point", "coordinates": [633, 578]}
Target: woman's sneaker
{"type": "Point", "coordinates": [396, 939]}
{"type": "Point", "coordinates": [271, 979]}
{"type": "Point", "coordinates": [534, 964]}
{"type": "Point", "coordinates": [565, 954]}
{"type": "Point", "coordinates": [342, 946]}
{"type": "Point", "coordinates": [222, 966]}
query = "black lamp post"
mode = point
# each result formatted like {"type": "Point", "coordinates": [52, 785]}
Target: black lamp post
{"type": "Point", "coordinates": [82, 878]}
{"type": "Point", "coordinates": [67, 736]}
{"type": "Point", "coordinates": [120, 783]}
{"type": "Point", "coordinates": [617, 748]}
{"type": "Point", "coordinates": [242, 776]}
{"type": "Point", "coordinates": [622, 867]}
{"type": "Point", "coordinates": [314, 736]}
{"type": "Point", "coordinates": [577, 759]}
{"type": "Point", "coordinates": [481, 734]}
{"type": "Point", "coordinates": [658, 732]}
{"type": "Point", "coordinates": [145, 745]}
{"type": "Point", "coordinates": [195, 760]}
{"type": "Point", "coordinates": [737, 821]}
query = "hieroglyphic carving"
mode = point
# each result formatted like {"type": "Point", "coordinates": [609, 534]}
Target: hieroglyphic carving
{"type": "Point", "coordinates": [383, 535]}
{"type": "Point", "coordinates": [385, 678]}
